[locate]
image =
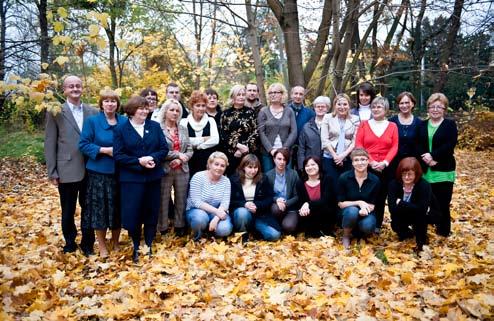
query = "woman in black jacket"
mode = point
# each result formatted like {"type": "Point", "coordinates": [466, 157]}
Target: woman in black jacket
{"type": "Point", "coordinates": [251, 198]}
{"type": "Point", "coordinates": [437, 138]}
{"type": "Point", "coordinates": [409, 200]}
{"type": "Point", "coordinates": [317, 199]}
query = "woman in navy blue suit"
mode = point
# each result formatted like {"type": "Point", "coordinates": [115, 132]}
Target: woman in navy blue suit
{"type": "Point", "coordinates": [139, 149]}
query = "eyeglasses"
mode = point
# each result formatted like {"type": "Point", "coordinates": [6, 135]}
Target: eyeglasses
{"type": "Point", "coordinates": [408, 174]}
{"type": "Point", "coordinates": [174, 92]}
{"type": "Point", "coordinates": [436, 107]}
{"type": "Point", "coordinates": [275, 92]}
{"type": "Point", "coordinates": [360, 159]}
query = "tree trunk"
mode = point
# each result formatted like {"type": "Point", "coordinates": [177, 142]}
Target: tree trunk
{"type": "Point", "coordinates": [256, 54]}
{"type": "Point", "coordinates": [44, 40]}
{"type": "Point", "coordinates": [197, 35]}
{"type": "Point", "coordinates": [417, 49]}
{"type": "Point", "coordinates": [3, 30]}
{"type": "Point", "coordinates": [448, 46]}
{"type": "Point", "coordinates": [322, 38]}
{"type": "Point", "coordinates": [213, 43]}
{"type": "Point", "coordinates": [324, 75]}
{"type": "Point", "coordinates": [110, 32]}
{"type": "Point", "coordinates": [287, 16]}
{"type": "Point", "coordinates": [339, 70]}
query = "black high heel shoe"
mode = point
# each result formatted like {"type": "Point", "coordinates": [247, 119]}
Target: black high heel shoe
{"type": "Point", "coordinates": [135, 255]}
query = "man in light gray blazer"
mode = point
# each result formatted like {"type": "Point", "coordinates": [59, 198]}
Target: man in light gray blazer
{"type": "Point", "coordinates": [66, 164]}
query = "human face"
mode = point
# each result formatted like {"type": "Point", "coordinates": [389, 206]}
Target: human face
{"type": "Point", "coordinates": [365, 99]}
{"type": "Point", "coordinates": [251, 171]}
{"type": "Point", "coordinates": [173, 93]}
{"type": "Point", "coordinates": [109, 106]}
{"type": "Point", "coordinates": [408, 177]}
{"type": "Point", "coordinates": [275, 95]}
{"type": "Point", "coordinates": [239, 99]}
{"type": "Point", "coordinates": [212, 101]}
{"type": "Point", "coordinates": [378, 111]}
{"type": "Point", "coordinates": [172, 113]}
{"type": "Point", "coordinates": [280, 162]}
{"type": "Point", "coordinates": [141, 114]}
{"type": "Point", "coordinates": [320, 109]}
{"type": "Point", "coordinates": [311, 168]}
{"type": "Point", "coordinates": [406, 105]}
{"type": "Point", "coordinates": [360, 163]}
{"type": "Point", "coordinates": [342, 107]}
{"type": "Point", "coordinates": [252, 93]}
{"type": "Point", "coordinates": [436, 110]}
{"type": "Point", "coordinates": [152, 101]}
{"type": "Point", "coordinates": [72, 89]}
{"type": "Point", "coordinates": [198, 110]}
{"type": "Point", "coordinates": [217, 167]}
{"type": "Point", "coordinates": [298, 94]}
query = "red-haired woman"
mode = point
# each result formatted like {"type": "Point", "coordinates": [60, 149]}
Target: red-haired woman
{"type": "Point", "coordinates": [409, 199]}
{"type": "Point", "coordinates": [202, 130]}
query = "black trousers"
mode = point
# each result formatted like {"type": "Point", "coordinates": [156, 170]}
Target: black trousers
{"type": "Point", "coordinates": [402, 219]}
{"type": "Point", "coordinates": [443, 192]}
{"type": "Point", "coordinates": [69, 193]}
{"type": "Point", "coordinates": [384, 178]}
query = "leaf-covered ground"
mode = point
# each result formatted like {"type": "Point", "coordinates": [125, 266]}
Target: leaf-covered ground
{"type": "Point", "coordinates": [293, 279]}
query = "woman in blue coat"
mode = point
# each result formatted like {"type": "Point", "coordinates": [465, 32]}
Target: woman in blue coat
{"type": "Point", "coordinates": [139, 149]}
{"type": "Point", "coordinates": [102, 199]}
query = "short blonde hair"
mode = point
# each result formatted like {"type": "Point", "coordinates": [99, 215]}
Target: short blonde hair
{"type": "Point", "coordinates": [379, 100]}
{"type": "Point", "coordinates": [282, 88]}
{"type": "Point", "coordinates": [215, 155]}
{"type": "Point", "coordinates": [166, 105]}
{"type": "Point", "coordinates": [438, 97]}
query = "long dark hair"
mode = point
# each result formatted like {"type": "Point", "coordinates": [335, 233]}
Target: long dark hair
{"type": "Point", "coordinates": [249, 159]}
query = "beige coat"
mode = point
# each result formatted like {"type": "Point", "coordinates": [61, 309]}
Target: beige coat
{"type": "Point", "coordinates": [330, 131]}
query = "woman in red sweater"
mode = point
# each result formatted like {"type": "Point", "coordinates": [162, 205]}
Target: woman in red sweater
{"type": "Point", "coordinates": [380, 138]}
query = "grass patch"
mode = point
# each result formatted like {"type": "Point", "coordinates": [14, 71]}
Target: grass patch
{"type": "Point", "coordinates": [21, 143]}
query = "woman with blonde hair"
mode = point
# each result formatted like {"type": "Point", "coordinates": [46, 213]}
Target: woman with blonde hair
{"type": "Point", "coordinates": [437, 138]}
{"type": "Point", "coordinates": [338, 131]}
{"type": "Point", "coordinates": [238, 129]}
{"type": "Point", "coordinates": [209, 199]}
{"type": "Point", "coordinates": [276, 124]}
{"type": "Point", "coordinates": [176, 165]}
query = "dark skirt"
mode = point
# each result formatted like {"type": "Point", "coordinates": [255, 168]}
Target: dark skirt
{"type": "Point", "coordinates": [102, 202]}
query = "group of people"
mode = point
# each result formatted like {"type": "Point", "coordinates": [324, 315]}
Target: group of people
{"type": "Point", "coordinates": [262, 170]}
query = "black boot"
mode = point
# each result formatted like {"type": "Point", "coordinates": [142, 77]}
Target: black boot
{"type": "Point", "coordinates": [135, 255]}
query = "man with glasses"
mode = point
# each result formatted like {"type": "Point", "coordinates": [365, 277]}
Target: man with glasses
{"type": "Point", "coordinates": [66, 164]}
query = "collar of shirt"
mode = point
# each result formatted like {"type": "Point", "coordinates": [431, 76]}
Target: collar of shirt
{"type": "Point", "coordinates": [74, 107]}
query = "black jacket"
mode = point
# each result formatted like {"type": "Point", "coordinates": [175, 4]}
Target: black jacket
{"type": "Point", "coordinates": [443, 145]}
{"type": "Point", "coordinates": [263, 196]}
{"type": "Point", "coordinates": [327, 202]}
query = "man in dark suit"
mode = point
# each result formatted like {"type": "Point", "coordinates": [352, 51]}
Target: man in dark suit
{"type": "Point", "coordinates": [66, 164]}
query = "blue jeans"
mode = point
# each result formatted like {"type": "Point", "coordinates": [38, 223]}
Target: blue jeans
{"type": "Point", "coordinates": [242, 219]}
{"type": "Point", "coordinates": [352, 219]}
{"type": "Point", "coordinates": [268, 227]}
{"type": "Point", "coordinates": [198, 221]}
{"type": "Point", "coordinates": [267, 162]}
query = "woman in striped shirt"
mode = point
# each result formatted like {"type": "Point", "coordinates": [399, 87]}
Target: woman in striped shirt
{"type": "Point", "coordinates": [209, 199]}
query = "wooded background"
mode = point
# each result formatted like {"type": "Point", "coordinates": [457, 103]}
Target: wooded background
{"type": "Point", "coordinates": [328, 46]}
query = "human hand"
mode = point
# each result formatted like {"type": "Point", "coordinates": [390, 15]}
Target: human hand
{"type": "Point", "coordinates": [184, 158]}
{"type": "Point", "coordinates": [54, 181]}
{"type": "Point", "coordinates": [281, 202]}
{"type": "Point", "coordinates": [106, 150]}
{"type": "Point", "coordinates": [427, 158]}
{"type": "Point", "coordinates": [147, 162]}
{"type": "Point", "coordinates": [214, 224]}
{"type": "Point", "coordinates": [221, 213]}
{"type": "Point", "coordinates": [242, 148]}
{"type": "Point", "coordinates": [304, 210]}
{"type": "Point", "coordinates": [251, 207]}
{"type": "Point", "coordinates": [338, 160]}
{"type": "Point", "coordinates": [238, 153]}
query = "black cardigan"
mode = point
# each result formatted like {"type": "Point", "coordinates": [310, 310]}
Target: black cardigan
{"type": "Point", "coordinates": [443, 145]}
{"type": "Point", "coordinates": [327, 202]}
{"type": "Point", "coordinates": [419, 202]}
{"type": "Point", "coordinates": [263, 196]}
